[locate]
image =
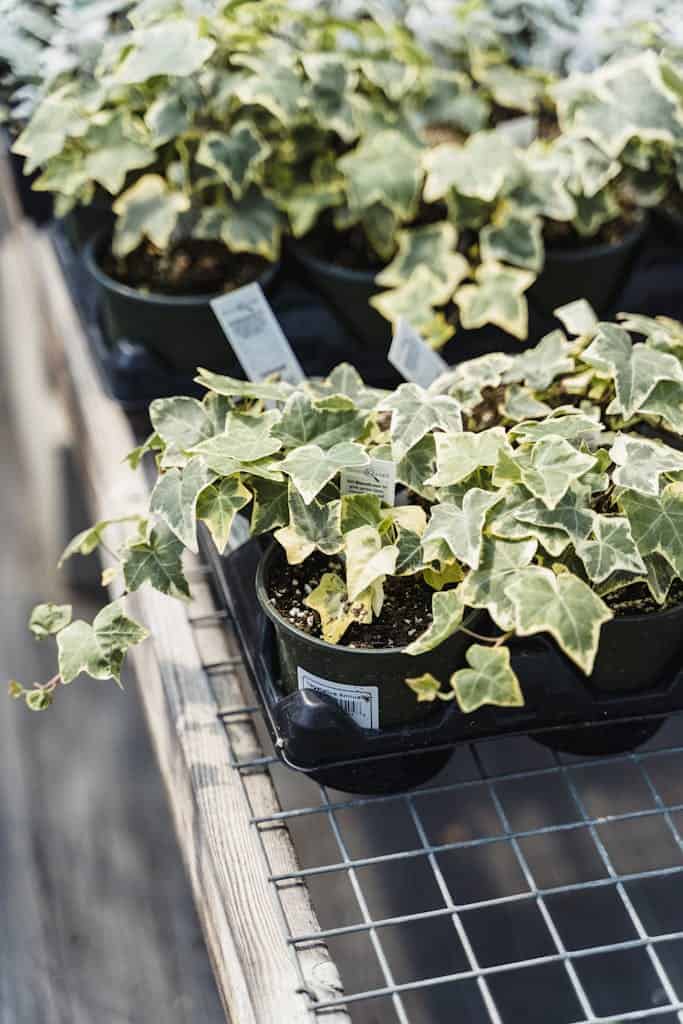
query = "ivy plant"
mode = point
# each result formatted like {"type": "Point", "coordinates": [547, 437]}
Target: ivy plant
{"type": "Point", "coordinates": [546, 488]}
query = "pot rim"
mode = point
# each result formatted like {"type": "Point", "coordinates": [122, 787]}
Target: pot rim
{"type": "Point", "coordinates": [279, 620]}
{"type": "Point", "coordinates": [323, 265]}
{"type": "Point", "coordinates": [97, 241]}
{"type": "Point", "coordinates": [633, 235]}
{"type": "Point", "coordinates": [644, 617]}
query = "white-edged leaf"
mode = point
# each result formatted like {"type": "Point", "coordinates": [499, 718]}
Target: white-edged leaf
{"type": "Point", "coordinates": [486, 587]}
{"type": "Point", "coordinates": [217, 506]}
{"type": "Point", "coordinates": [610, 549]}
{"type": "Point", "coordinates": [657, 523]}
{"type": "Point", "coordinates": [640, 463]}
{"type": "Point", "coordinates": [460, 527]}
{"type": "Point", "coordinates": [447, 611]}
{"type": "Point", "coordinates": [367, 561]}
{"type": "Point", "coordinates": [331, 601]}
{"type": "Point", "coordinates": [157, 561]}
{"type": "Point", "coordinates": [458, 455]}
{"type": "Point", "coordinates": [49, 618]}
{"type": "Point", "coordinates": [415, 412]}
{"type": "Point", "coordinates": [174, 499]}
{"type": "Point", "coordinates": [310, 468]}
{"type": "Point", "coordinates": [488, 680]}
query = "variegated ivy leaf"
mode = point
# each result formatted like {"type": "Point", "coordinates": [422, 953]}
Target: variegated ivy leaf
{"type": "Point", "coordinates": [410, 557]}
{"type": "Point", "coordinates": [331, 601]}
{"type": "Point", "coordinates": [512, 87]}
{"type": "Point", "coordinates": [168, 116]}
{"type": "Point", "coordinates": [478, 169]}
{"type": "Point", "coordinates": [460, 527]}
{"type": "Point", "coordinates": [47, 619]}
{"type": "Point", "coordinates": [610, 549]}
{"type": "Point", "coordinates": [577, 317]}
{"type": "Point", "coordinates": [148, 209]}
{"type": "Point", "coordinates": [305, 422]}
{"type": "Point", "coordinates": [640, 463]}
{"type": "Point", "coordinates": [660, 576]}
{"type": "Point", "coordinates": [310, 467]}
{"type": "Point", "coordinates": [467, 381]}
{"type": "Point", "coordinates": [394, 77]}
{"type": "Point", "coordinates": [566, 421]}
{"type": "Point", "coordinates": [246, 438]}
{"type": "Point", "coordinates": [417, 465]}
{"type": "Point", "coordinates": [156, 560]}
{"type": "Point", "coordinates": [571, 515]}
{"type": "Point", "coordinates": [88, 540]}
{"type": "Point", "coordinates": [661, 331]}
{"type": "Point", "coordinates": [425, 687]}
{"type": "Point", "coordinates": [177, 48]}
{"type": "Point", "coordinates": [488, 680]}
{"type": "Point", "coordinates": [592, 169]}
{"type": "Point", "coordinates": [505, 525]}
{"type": "Point", "coordinates": [486, 587]}
{"type": "Point", "coordinates": [270, 508]}
{"type": "Point", "coordinates": [385, 168]}
{"type": "Point", "coordinates": [415, 412]}
{"type": "Point", "coordinates": [592, 213]}
{"type": "Point", "coordinates": [415, 301]}
{"type": "Point", "coordinates": [99, 649]}
{"type": "Point", "coordinates": [345, 381]}
{"type": "Point", "coordinates": [406, 517]}
{"type": "Point", "coordinates": [449, 571]}
{"type": "Point", "coordinates": [515, 238]}
{"type": "Point", "coordinates": [432, 246]}
{"type": "Point", "coordinates": [666, 403]}
{"type": "Point", "coordinates": [563, 606]}
{"type": "Point", "coordinates": [447, 611]}
{"type": "Point", "coordinates": [174, 499]}
{"type": "Point", "coordinates": [273, 85]}
{"type": "Point", "coordinates": [542, 187]}
{"type": "Point", "coordinates": [550, 468]}
{"type": "Point", "coordinates": [311, 526]}
{"type": "Point", "coordinates": [180, 422]}
{"type": "Point", "coordinates": [235, 157]}
{"type": "Point", "coordinates": [59, 117]}
{"type": "Point", "coordinates": [496, 298]}
{"type": "Point", "coordinates": [266, 390]}
{"type": "Point", "coordinates": [539, 366]}
{"type": "Point", "coordinates": [115, 146]}
{"type": "Point", "coordinates": [360, 510]}
{"type": "Point", "coordinates": [251, 223]}
{"type": "Point", "coordinates": [458, 455]}
{"type": "Point", "coordinates": [657, 523]}
{"type": "Point", "coordinates": [367, 561]}
{"type": "Point", "coordinates": [332, 82]}
{"type": "Point", "coordinates": [519, 403]}
{"type": "Point", "coordinates": [217, 506]}
{"type": "Point", "coordinates": [635, 369]}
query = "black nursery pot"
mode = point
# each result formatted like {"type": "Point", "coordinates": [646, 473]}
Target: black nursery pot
{"type": "Point", "coordinates": [388, 702]}
{"type": "Point", "coordinates": [181, 330]}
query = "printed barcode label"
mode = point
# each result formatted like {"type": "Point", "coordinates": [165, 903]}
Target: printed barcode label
{"type": "Point", "coordinates": [360, 702]}
{"type": "Point", "coordinates": [255, 336]}
{"type": "Point", "coordinates": [413, 358]}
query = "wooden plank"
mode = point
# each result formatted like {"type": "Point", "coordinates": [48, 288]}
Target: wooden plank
{"type": "Point", "coordinates": [243, 924]}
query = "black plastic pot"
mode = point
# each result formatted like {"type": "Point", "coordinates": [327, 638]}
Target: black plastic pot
{"type": "Point", "coordinates": [385, 670]}
{"type": "Point", "coordinates": [37, 206]}
{"type": "Point", "coordinates": [182, 331]}
{"type": "Point", "coordinates": [83, 222]}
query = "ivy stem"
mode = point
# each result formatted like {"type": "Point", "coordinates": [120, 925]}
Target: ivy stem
{"type": "Point", "coordinates": [480, 636]}
{"type": "Point", "coordinates": [51, 684]}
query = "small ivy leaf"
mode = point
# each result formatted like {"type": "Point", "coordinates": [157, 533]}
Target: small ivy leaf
{"type": "Point", "coordinates": [310, 468]}
{"type": "Point", "coordinates": [416, 466]}
{"type": "Point", "coordinates": [305, 422]}
{"type": "Point", "coordinates": [345, 380]}
{"type": "Point", "coordinates": [115, 147]}
{"type": "Point", "coordinates": [148, 209]}
{"type": "Point", "coordinates": [157, 561]}
{"type": "Point", "coordinates": [660, 576]}
{"type": "Point", "coordinates": [460, 528]}
{"type": "Point", "coordinates": [611, 549]}
{"type": "Point", "coordinates": [519, 403]}
{"type": "Point", "coordinates": [49, 618]}
{"type": "Point", "coordinates": [467, 381]}
{"type": "Point", "coordinates": [497, 298]}
{"type": "Point", "coordinates": [459, 455]}
{"type": "Point", "coordinates": [565, 421]}
{"type": "Point", "coordinates": [99, 649]}
{"type": "Point", "coordinates": [427, 688]}
{"type": "Point", "coordinates": [414, 413]}
{"type": "Point", "coordinates": [640, 463]}
{"type": "Point", "coordinates": [360, 510]}
{"type": "Point", "coordinates": [415, 300]}
{"type": "Point", "coordinates": [489, 680]}
{"type": "Point", "coordinates": [310, 526]}
{"type": "Point", "coordinates": [174, 499]}
{"type": "Point", "coordinates": [87, 541]}
{"type": "Point", "coordinates": [217, 506]}
{"type": "Point", "coordinates": [571, 515]}
{"type": "Point", "coordinates": [331, 601]}
{"type": "Point", "coordinates": [577, 317]}
{"type": "Point", "coordinates": [447, 611]}
{"type": "Point", "coordinates": [665, 402]}
{"type": "Point", "coordinates": [273, 391]}
{"type": "Point", "coordinates": [181, 421]}
{"type": "Point", "coordinates": [448, 572]}
{"type": "Point", "coordinates": [563, 606]}
{"type": "Point", "coordinates": [252, 223]}
{"type": "Point", "coordinates": [505, 525]}
{"type": "Point", "coordinates": [175, 47]}
{"type": "Point", "coordinates": [15, 689]}
{"type": "Point", "coordinates": [38, 700]}
{"type": "Point", "coordinates": [433, 246]}
{"type": "Point", "coordinates": [270, 508]}
{"type": "Point", "coordinates": [410, 557]}
{"type": "Point", "coordinates": [367, 561]}
{"type": "Point", "coordinates": [657, 523]}
{"type": "Point", "coordinates": [486, 587]}
{"type": "Point", "coordinates": [539, 366]}
{"type": "Point", "coordinates": [384, 168]}
{"type": "Point", "coordinates": [478, 169]}
{"type": "Point", "coordinates": [551, 468]}
{"type": "Point", "coordinates": [235, 157]}
{"type": "Point", "coordinates": [513, 238]}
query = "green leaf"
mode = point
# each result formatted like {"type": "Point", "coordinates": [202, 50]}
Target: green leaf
{"type": "Point", "coordinates": [311, 526]}
{"type": "Point", "coordinates": [571, 515]}
{"type": "Point", "coordinates": [563, 606]}
{"type": "Point", "coordinates": [566, 421]}
{"type": "Point", "coordinates": [270, 508]}
{"type": "Point", "coordinates": [488, 680]}
{"type": "Point", "coordinates": [310, 468]}
{"type": "Point", "coordinates": [384, 168]}
{"type": "Point", "coordinates": [175, 47]}
{"type": "Point", "coordinates": [551, 467]}
{"type": "Point", "coordinates": [115, 149]}
{"type": "Point", "coordinates": [460, 528]}
{"type": "Point", "coordinates": [99, 649]}
{"type": "Point", "coordinates": [415, 301]}
{"type": "Point", "coordinates": [417, 465]}
{"type": "Point", "coordinates": [167, 117]}
{"type": "Point", "coordinates": [666, 402]}
{"type": "Point", "coordinates": [519, 403]}
{"type": "Point", "coordinates": [360, 510]}
{"type": "Point", "coordinates": [611, 549]}
{"type": "Point", "coordinates": [235, 157]}
{"type": "Point", "coordinates": [305, 422]}
{"type": "Point", "coordinates": [635, 369]}
{"type": "Point", "coordinates": [447, 611]}
{"type": "Point", "coordinates": [247, 438]}
{"type": "Point", "coordinates": [367, 561]}
{"type": "Point", "coordinates": [496, 298]}
{"type": "Point", "coordinates": [174, 499]}
{"type": "Point", "coordinates": [577, 317]}
{"type": "Point", "coordinates": [539, 366]}
{"type": "Point", "coordinates": [660, 576]}
{"type": "Point", "coordinates": [657, 523]}
{"type": "Point", "coordinates": [156, 561]}
{"type": "Point", "coordinates": [514, 238]}
{"type": "Point", "coordinates": [331, 601]}
{"type": "Point", "coordinates": [486, 587]}
{"type": "Point", "coordinates": [410, 558]}
{"type": "Point", "coordinates": [275, 391]}
{"type": "Point", "coordinates": [505, 525]}
{"type": "Point", "coordinates": [217, 506]}
{"type": "Point", "coordinates": [478, 169]}
{"type": "Point", "coordinates": [458, 455]}
{"type": "Point", "coordinates": [87, 541]}
{"type": "Point", "coordinates": [415, 412]}
{"type": "Point", "coordinates": [432, 246]}
{"type": "Point", "coordinates": [49, 618]}
{"type": "Point", "coordinates": [252, 224]}
{"type": "Point", "coordinates": [640, 463]}
{"type": "Point", "coordinates": [594, 211]}
{"type": "Point", "coordinates": [426, 687]}
{"type": "Point", "coordinates": [467, 381]}
{"type": "Point", "coordinates": [148, 209]}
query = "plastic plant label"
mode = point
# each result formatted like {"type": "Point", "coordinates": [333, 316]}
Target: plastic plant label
{"type": "Point", "coordinates": [360, 702]}
{"type": "Point", "coordinates": [378, 477]}
{"type": "Point", "coordinates": [255, 336]}
{"type": "Point", "coordinates": [413, 358]}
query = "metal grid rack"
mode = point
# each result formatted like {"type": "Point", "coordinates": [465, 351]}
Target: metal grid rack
{"type": "Point", "coordinates": [521, 885]}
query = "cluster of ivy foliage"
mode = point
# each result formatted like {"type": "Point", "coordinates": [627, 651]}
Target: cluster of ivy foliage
{"type": "Point", "coordinates": [532, 490]}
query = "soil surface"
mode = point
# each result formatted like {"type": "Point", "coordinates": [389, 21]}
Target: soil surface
{"type": "Point", "coordinates": [637, 600]}
{"type": "Point", "coordinates": [406, 613]}
{"type": "Point", "coordinates": [191, 267]}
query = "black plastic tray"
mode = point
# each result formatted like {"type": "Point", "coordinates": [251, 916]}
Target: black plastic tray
{"type": "Point", "coordinates": [311, 734]}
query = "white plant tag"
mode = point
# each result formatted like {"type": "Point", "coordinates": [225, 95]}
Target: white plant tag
{"type": "Point", "coordinates": [360, 702]}
{"type": "Point", "coordinates": [378, 477]}
{"type": "Point", "coordinates": [255, 336]}
{"type": "Point", "coordinates": [413, 358]}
